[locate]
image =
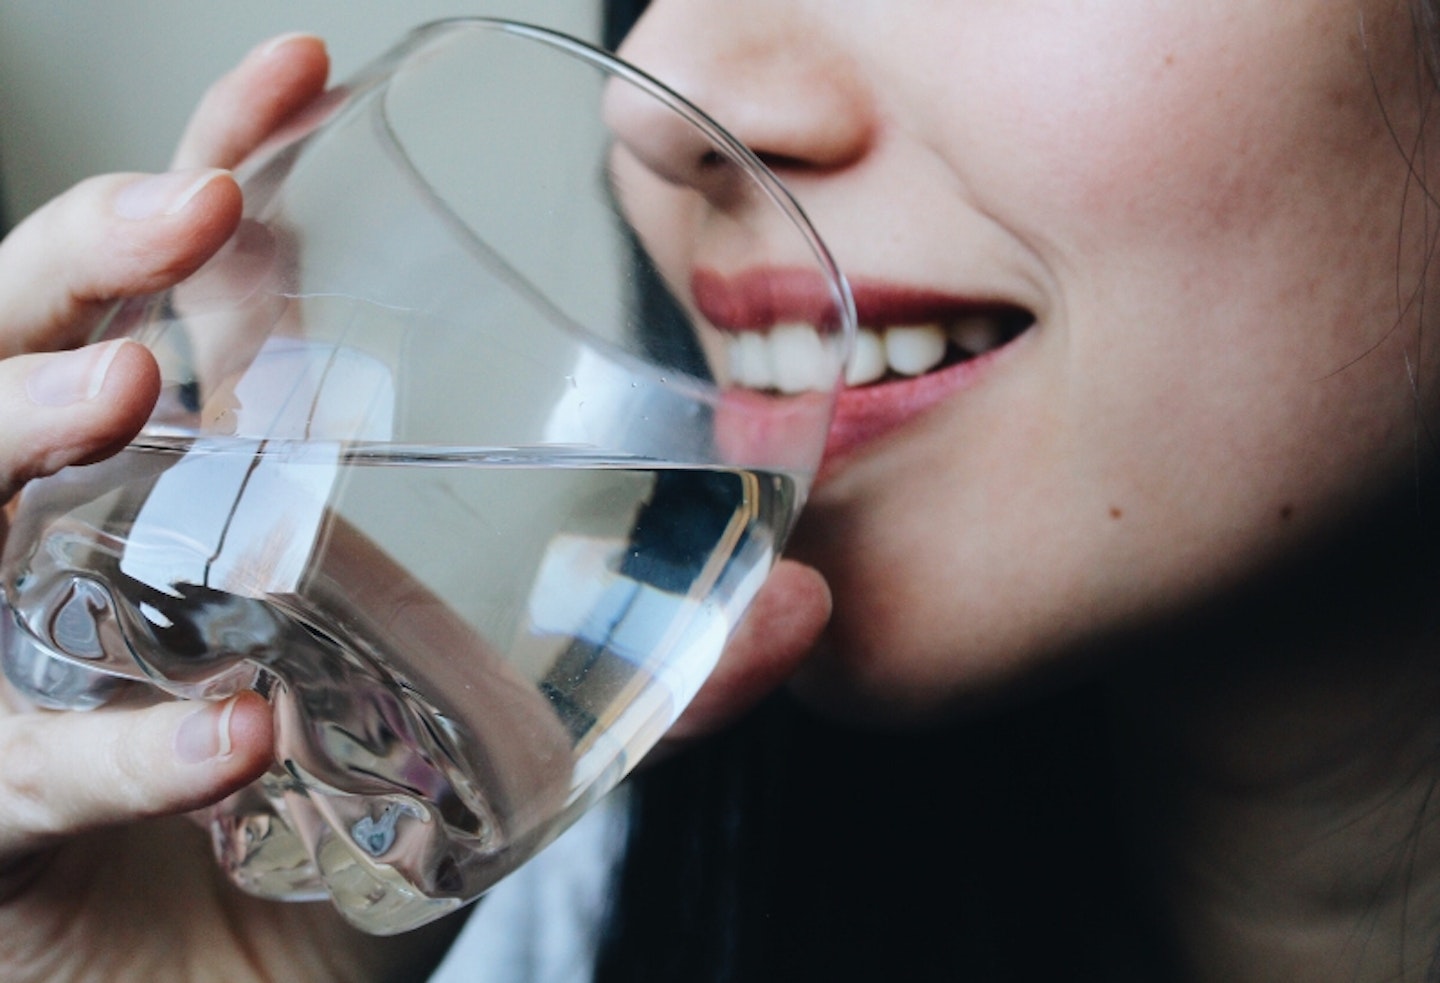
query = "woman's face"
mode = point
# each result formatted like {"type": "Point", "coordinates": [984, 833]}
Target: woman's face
{"type": "Point", "coordinates": [1207, 211]}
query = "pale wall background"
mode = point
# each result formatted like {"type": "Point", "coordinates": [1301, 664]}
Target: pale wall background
{"type": "Point", "coordinates": [100, 85]}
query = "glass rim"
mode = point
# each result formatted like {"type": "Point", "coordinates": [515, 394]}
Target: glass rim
{"type": "Point", "coordinates": [741, 155]}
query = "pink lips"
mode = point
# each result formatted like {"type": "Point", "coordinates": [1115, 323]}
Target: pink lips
{"type": "Point", "coordinates": [760, 298]}
{"type": "Point", "coordinates": [869, 412]}
{"type": "Point", "coordinates": [757, 299]}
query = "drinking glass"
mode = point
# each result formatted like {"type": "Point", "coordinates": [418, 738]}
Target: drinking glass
{"type": "Point", "coordinates": [474, 443]}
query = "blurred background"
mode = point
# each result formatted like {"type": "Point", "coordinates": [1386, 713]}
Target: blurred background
{"type": "Point", "coordinates": [88, 86]}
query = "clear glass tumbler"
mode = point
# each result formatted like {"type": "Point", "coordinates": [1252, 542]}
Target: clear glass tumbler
{"type": "Point", "coordinates": [474, 443]}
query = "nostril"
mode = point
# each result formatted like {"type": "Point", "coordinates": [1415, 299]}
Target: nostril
{"type": "Point", "coordinates": [784, 163]}
{"type": "Point", "coordinates": [661, 140]}
{"type": "Point", "coordinates": [655, 139]}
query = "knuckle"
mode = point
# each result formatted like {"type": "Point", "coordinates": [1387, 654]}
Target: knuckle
{"type": "Point", "coordinates": [131, 775]}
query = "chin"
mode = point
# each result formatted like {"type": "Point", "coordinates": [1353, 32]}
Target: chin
{"type": "Point", "coordinates": [881, 680]}
{"type": "Point", "coordinates": [872, 689]}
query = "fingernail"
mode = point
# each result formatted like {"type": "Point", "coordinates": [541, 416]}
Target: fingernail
{"type": "Point", "coordinates": [66, 378]}
{"type": "Point", "coordinates": [267, 48]}
{"type": "Point", "coordinates": [162, 194]}
{"type": "Point", "coordinates": [205, 734]}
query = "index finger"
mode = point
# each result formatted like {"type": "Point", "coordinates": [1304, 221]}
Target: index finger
{"type": "Point", "coordinates": [777, 633]}
{"type": "Point", "coordinates": [273, 82]}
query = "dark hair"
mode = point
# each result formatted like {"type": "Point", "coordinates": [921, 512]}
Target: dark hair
{"type": "Point", "coordinates": [619, 17]}
{"type": "Point", "coordinates": [792, 848]}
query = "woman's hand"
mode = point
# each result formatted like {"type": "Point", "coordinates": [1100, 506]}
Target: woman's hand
{"type": "Point", "coordinates": [100, 876]}
{"type": "Point", "coordinates": [94, 882]}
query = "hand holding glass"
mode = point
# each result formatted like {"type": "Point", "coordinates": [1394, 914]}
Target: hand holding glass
{"type": "Point", "coordinates": [474, 443]}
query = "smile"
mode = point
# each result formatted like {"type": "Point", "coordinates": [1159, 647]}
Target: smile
{"type": "Point", "coordinates": [771, 341]}
{"type": "Point", "coordinates": [913, 348]}
{"type": "Point", "coordinates": [910, 368]}
{"type": "Point", "coordinates": [906, 351]}
{"type": "Point", "coordinates": [792, 358]}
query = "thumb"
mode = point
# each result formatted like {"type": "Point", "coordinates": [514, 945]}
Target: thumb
{"type": "Point", "coordinates": [782, 626]}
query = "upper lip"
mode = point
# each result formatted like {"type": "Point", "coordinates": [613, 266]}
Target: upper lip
{"type": "Point", "coordinates": [757, 299]}
{"type": "Point", "coordinates": [760, 298]}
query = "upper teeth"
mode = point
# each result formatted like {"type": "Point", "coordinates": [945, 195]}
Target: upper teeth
{"type": "Point", "coordinates": [798, 359]}
{"type": "Point", "coordinates": [915, 349]}
{"type": "Point", "coordinates": [976, 333]}
{"type": "Point", "coordinates": [793, 358]}
{"type": "Point", "coordinates": [790, 357]}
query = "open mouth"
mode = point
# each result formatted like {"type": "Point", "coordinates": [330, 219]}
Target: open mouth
{"type": "Point", "coordinates": [905, 351]}
{"type": "Point", "coordinates": [792, 358]}
{"type": "Point", "coordinates": [768, 317]}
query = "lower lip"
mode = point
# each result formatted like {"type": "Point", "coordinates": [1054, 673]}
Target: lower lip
{"type": "Point", "coordinates": [867, 413]}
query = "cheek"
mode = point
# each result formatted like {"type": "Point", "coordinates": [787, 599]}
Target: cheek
{"type": "Point", "coordinates": [1199, 117]}
{"type": "Point", "coordinates": [1229, 271]}
{"type": "Point", "coordinates": [1226, 373]}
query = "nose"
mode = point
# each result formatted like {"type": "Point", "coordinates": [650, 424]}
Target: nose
{"type": "Point", "coordinates": [772, 77]}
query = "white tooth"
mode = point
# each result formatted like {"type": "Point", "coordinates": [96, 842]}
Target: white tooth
{"type": "Point", "coordinates": [798, 358]}
{"type": "Point", "coordinates": [976, 333]}
{"type": "Point", "coordinates": [867, 363]}
{"type": "Point", "coordinates": [750, 360]}
{"type": "Point", "coordinates": [914, 350]}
